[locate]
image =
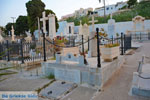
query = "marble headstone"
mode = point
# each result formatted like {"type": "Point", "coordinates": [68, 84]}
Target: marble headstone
{"type": "Point", "coordinates": [111, 27]}
{"type": "Point", "coordinates": [138, 24]}
{"type": "Point", "coordinates": [52, 26]}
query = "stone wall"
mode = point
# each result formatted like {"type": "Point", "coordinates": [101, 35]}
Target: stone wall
{"type": "Point", "coordinates": [108, 71]}
{"type": "Point", "coordinates": [119, 26]}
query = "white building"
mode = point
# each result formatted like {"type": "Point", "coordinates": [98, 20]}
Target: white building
{"type": "Point", "coordinates": [82, 12]}
{"type": "Point", "coordinates": [66, 29]}
{"type": "Point", "coordinates": [110, 8]}
{"type": "Point", "coordinates": [78, 13]}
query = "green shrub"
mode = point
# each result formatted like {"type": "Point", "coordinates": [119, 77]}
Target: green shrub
{"type": "Point", "coordinates": [111, 45]}
{"type": "Point", "coordinates": [51, 76]}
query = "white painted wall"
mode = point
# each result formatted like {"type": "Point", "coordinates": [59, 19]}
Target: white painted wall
{"type": "Point", "coordinates": [64, 28]}
{"type": "Point", "coordinates": [119, 26]}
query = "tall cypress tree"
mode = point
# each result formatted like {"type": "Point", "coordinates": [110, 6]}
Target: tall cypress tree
{"type": "Point", "coordinates": [34, 10]}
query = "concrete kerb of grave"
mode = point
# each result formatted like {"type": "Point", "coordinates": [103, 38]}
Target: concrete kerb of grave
{"type": "Point", "coordinates": [140, 83]}
{"type": "Point", "coordinates": [86, 74]}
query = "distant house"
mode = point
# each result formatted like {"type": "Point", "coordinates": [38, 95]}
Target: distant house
{"type": "Point", "coordinates": [82, 12]}
{"type": "Point", "coordinates": [110, 8]}
{"type": "Point", "coordinates": [78, 13]}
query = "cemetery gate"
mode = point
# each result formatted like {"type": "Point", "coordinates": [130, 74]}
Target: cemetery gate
{"type": "Point", "coordinates": [127, 42]}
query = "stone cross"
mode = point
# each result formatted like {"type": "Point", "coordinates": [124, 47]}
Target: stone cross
{"type": "Point", "coordinates": [93, 23]}
{"type": "Point", "coordinates": [52, 26]}
{"type": "Point", "coordinates": [12, 33]}
{"type": "Point", "coordinates": [93, 43]}
{"type": "Point", "coordinates": [44, 18]}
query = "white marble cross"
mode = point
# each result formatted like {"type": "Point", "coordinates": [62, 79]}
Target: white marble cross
{"type": "Point", "coordinates": [44, 18]}
{"type": "Point", "coordinates": [93, 23]}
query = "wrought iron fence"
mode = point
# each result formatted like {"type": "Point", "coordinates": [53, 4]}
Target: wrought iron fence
{"type": "Point", "coordinates": [140, 36]}
{"type": "Point", "coordinates": [41, 50]}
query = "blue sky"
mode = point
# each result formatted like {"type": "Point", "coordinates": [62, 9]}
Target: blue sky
{"type": "Point", "coordinates": [14, 8]}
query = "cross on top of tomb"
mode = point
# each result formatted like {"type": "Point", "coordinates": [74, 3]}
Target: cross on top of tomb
{"type": "Point", "coordinates": [93, 23]}
{"type": "Point", "coordinates": [44, 18]}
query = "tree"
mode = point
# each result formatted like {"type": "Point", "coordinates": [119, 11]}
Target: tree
{"type": "Point", "coordinates": [22, 25]}
{"type": "Point", "coordinates": [8, 28]}
{"type": "Point", "coordinates": [34, 10]}
{"type": "Point", "coordinates": [85, 19]}
{"type": "Point", "coordinates": [56, 20]}
{"type": "Point", "coordinates": [131, 3]}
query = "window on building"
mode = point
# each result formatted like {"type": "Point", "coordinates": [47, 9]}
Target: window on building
{"type": "Point", "coordinates": [107, 8]}
{"type": "Point", "coordinates": [111, 7]}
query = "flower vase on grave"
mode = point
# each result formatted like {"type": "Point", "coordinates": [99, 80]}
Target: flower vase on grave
{"type": "Point", "coordinates": [110, 52]}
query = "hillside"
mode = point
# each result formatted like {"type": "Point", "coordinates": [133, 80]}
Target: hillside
{"type": "Point", "coordinates": [141, 9]}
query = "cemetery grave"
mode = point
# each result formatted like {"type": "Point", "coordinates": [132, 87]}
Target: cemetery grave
{"type": "Point", "coordinates": [90, 59]}
{"type": "Point", "coordinates": [141, 78]}
{"type": "Point", "coordinates": [57, 90]}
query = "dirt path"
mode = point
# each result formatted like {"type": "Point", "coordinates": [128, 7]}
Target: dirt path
{"type": "Point", "coordinates": [119, 87]}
